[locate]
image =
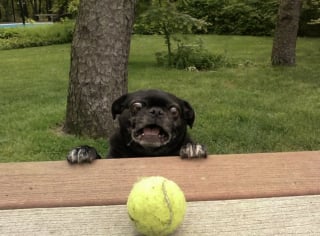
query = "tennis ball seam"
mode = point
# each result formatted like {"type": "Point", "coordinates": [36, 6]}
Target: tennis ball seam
{"type": "Point", "coordinates": [168, 203]}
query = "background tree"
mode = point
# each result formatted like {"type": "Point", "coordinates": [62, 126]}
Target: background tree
{"type": "Point", "coordinates": [284, 43]}
{"type": "Point", "coordinates": [23, 12]}
{"type": "Point", "coordinates": [164, 17]}
{"type": "Point", "coordinates": [99, 58]}
{"type": "Point", "coordinates": [236, 17]}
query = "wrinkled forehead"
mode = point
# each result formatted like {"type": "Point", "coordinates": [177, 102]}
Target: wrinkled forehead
{"type": "Point", "coordinates": [155, 98]}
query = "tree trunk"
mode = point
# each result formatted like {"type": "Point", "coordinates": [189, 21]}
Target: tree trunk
{"type": "Point", "coordinates": [99, 60]}
{"type": "Point", "coordinates": [284, 43]}
{"type": "Point", "coordinates": [21, 5]}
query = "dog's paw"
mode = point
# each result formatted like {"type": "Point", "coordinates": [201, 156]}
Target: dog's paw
{"type": "Point", "coordinates": [82, 154]}
{"type": "Point", "coordinates": [193, 150]}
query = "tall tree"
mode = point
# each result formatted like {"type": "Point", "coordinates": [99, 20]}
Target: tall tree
{"type": "Point", "coordinates": [284, 43]}
{"type": "Point", "coordinates": [164, 16]}
{"type": "Point", "coordinates": [13, 11]}
{"type": "Point", "coordinates": [22, 10]}
{"type": "Point", "coordinates": [99, 59]}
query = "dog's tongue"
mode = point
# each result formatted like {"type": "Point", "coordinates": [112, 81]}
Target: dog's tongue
{"type": "Point", "coordinates": [151, 136]}
{"type": "Point", "coordinates": [151, 131]}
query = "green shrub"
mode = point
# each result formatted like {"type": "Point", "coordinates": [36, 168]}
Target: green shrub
{"type": "Point", "coordinates": [6, 34]}
{"type": "Point", "coordinates": [310, 12]}
{"type": "Point", "coordinates": [36, 36]}
{"type": "Point", "coordinates": [147, 29]}
{"type": "Point", "coordinates": [250, 17]}
{"type": "Point", "coordinates": [193, 57]}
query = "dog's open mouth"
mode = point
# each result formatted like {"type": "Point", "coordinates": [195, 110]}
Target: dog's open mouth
{"type": "Point", "coordinates": [151, 136]}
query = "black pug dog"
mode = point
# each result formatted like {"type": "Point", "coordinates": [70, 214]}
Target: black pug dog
{"type": "Point", "coordinates": [151, 123]}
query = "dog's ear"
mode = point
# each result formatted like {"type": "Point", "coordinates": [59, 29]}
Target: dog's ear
{"type": "Point", "coordinates": [118, 105]}
{"type": "Point", "coordinates": [188, 113]}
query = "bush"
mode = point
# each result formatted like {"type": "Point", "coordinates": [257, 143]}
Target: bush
{"type": "Point", "coordinates": [36, 36]}
{"type": "Point", "coordinates": [250, 17]}
{"type": "Point", "coordinates": [310, 11]}
{"type": "Point", "coordinates": [142, 28]}
{"type": "Point", "coordinates": [193, 57]}
{"type": "Point", "coordinates": [6, 34]}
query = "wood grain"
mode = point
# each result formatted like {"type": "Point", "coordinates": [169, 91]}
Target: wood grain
{"type": "Point", "coordinates": [107, 182]}
{"type": "Point", "coordinates": [271, 216]}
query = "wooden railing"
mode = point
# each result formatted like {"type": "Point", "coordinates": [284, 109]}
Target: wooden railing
{"type": "Point", "coordinates": [244, 194]}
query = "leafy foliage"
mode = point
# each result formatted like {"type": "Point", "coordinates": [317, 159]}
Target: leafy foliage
{"type": "Point", "coordinates": [36, 35]}
{"type": "Point", "coordinates": [193, 57]}
{"type": "Point", "coordinates": [163, 17]}
{"type": "Point", "coordinates": [310, 18]}
{"type": "Point", "coordinates": [250, 17]}
{"type": "Point", "coordinates": [73, 7]}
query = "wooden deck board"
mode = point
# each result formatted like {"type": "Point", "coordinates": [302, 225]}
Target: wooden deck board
{"type": "Point", "coordinates": [108, 182]}
{"type": "Point", "coordinates": [265, 216]}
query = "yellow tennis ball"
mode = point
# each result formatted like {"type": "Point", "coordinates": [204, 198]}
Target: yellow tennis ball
{"type": "Point", "coordinates": [156, 205]}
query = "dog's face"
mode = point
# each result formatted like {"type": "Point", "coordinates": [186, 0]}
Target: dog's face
{"type": "Point", "coordinates": [152, 123]}
{"type": "Point", "coordinates": [153, 119]}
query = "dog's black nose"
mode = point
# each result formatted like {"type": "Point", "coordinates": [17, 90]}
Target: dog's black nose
{"type": "Point", "coordinates": [156, 111]}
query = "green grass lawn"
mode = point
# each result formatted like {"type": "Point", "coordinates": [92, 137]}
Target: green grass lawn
{"type": "Point", "coordinates": [252, 107]}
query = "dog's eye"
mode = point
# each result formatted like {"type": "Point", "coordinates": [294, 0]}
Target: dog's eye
{"type": "Point", "coordinates": [135, 107]}
{"type": "Point", "coordinates": [174, 112]}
